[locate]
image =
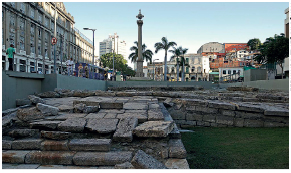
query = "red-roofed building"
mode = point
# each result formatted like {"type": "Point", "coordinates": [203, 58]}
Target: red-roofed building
{"type": "Point", "coordinates": [234, 46]}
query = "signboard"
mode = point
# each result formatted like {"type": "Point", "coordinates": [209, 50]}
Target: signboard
{"type": "Point", "coordinates": [54, 40]}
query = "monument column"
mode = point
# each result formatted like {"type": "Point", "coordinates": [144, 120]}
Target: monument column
{"type": "Point", "coordinates": [139, 70]}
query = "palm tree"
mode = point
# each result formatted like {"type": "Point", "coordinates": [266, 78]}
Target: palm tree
{"type": "Point", "coordinates": [146, 54]}
{"type": "Point", "coordinates": [176, 54]}
{"type": "Point", "coordinates": [183, 52]}
{"type": "Point", "coordinates": [166, 46]}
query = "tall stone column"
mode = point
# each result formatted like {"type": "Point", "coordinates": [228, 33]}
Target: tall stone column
{"type": "Point", "coordinates": [139, 70]}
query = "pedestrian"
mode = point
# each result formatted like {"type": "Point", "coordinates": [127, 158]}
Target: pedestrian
{"type": "Point", "coordinates": [70, 64]}
{"type": "Point", "coordinates": [80, 69]}
{"type": "Point", "coordinates": [87, 71]}
{"type": "Point", "coordinates": [10, 52]}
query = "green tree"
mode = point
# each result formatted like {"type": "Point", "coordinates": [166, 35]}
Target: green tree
{"type": "Point", "coordinates": [107, 61]}
{"type": "Point", "coordinates": [176, 54]}
{"type": "Point", "coordinates": [254, 43]}
{"type": "Point", "coordinates": [146, 53]}
{"type": "Point", "coordinates": [164, 45]}
{"type": "Point", "coordinates": [182, 62]}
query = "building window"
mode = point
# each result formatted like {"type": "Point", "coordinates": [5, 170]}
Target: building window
{"type": "Point", "coordinates": [40, 18]}
{"type": "Point", "coordinates": [12, 4]}
{"type": "Point", "coordinates": [32, 13]}
{"type": "Point", "coordinates": [22, 7]}
{"type": "Point", "coordinates": [234, 72]}
{"type": "Point", "coordinates": [238, 71]}
{"type": "Point", "coordinates": [224, 72]}
{"type": "Point", "coordinates": [229, 72]}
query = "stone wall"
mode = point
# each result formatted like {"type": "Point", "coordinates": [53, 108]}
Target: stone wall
{"type": "Point", "coordinates": [218, 113]}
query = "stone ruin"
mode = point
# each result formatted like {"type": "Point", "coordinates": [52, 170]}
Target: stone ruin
{"type": "Point", "coordinates": [129, 129]}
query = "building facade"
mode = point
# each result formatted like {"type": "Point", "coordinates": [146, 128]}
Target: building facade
{"type": "Point", "coordinates": [234, 46]}
{"type": "Point", "coordinates": [113, 44]}
{"type": "Point", "coordinates": [30, 27]}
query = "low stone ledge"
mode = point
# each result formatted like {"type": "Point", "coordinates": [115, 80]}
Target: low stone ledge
{"type": "Point", "coordinates": [6, 145]}
{"type": "Point", "coordinates": [56, 135]}
{"type": "Point", "coordinates": [51, 145]}
{"type": "Point", "coordinates": [177, 164]}
{"type": "Point", "coordinates": [19, 166]}
{"type": "Point", "coordinates": [221, 105]}
{"type": "Point", "coordinates": [177, 149]}
{"type": "Point", "coordinates": [102, 125]}
{"type": "Point", "coordinates": [141, 160]}
{"type": "Point", "coordinates": [26, 144]}
{"type": "Point", "coordinates": [87, 103]}
{"type": "Point", "coordinates": [154, 129]}
{"type": "Point", "coordinates": [45, 125]}
{"type": "Point", "coordinates": [50, 157]}
{"type": "Point", "coordinates": [19, 133]}
{"type": "Point", "coordinates": [111, 105]}
{"type": "Point", "coordinates": [90, 144]}
{"type": "Point", "coordinates": [72, 125]}
{"type": "Point", "coordinates": [124, 129]}
{"type": "Point", "coordinates": [14, 156]}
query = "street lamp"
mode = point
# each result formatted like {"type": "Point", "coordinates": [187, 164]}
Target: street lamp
{"type": "Point", "coordinates": [154, 67]}
{"type": "Point", "coordinates": [93, 42]}
{"type": "Point", "coordinates": [113, 37]}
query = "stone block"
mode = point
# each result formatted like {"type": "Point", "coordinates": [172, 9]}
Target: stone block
{"type": "Point", "coordinates": [209, 118]}
{"type": "Point", "coordinates": [45, 125]}
{"type": "Point", "coordinates": [194, 102]}
{"type": "Point", "coordinates": [238, 122]}
{"type": "Point", "coordinates": [227, 112]}
{"type": "Point", "coordinates": [14, 156]}
{"type": "Point", "coordinates": [200, 123]}
{"type": "Point", "coordinates": [47, 110]}
{"type": "Point", "coordinates": [177, 149]}
{"type": "Point", "coordinates": [272, 110]}
{"type": "Point", "coordinates": [56, 135]}
{"type": "Point", "coordinates": [194, 117]}
{"type": "Point", "coordinates": [177, 106]}
{"type": "Point", "coordinates": [110, 115]}
{"type": "Point", "coordinates": [224, 120]}
{"type": "Point", "coordinates": [49, 94]}
{"type": "Point", "coordinates": [34, 99]}
{"type": "Point", "coordinates": [131, 105]}
{"type": "Point", "coordinates": [22, 102]}
{"type": "Point", "coordinates": [102, 125]}
{"type": "Point", "coordinates": [213, 124]}
{"type": "Point", "coordinates": [111, 105]}
{"type": "Point", "coordinates": [141, 160]}
{"type": "Point", "coordinates": [87, 103]}
{"type": "Point", "coordinates": [250, 107]}
{"type": "Point", "coordinates": [115, 111]}
{"type": "Point", "coordinates": [221, 105]}
{"type": "Point", "coordinates": [102, 158]}
{"type": "Point", "coordinates": [207, 124]}
{"type": "Point", "coordinates": [124, 129]}
{"type": "Point", "coordinates": [8, 120]}
{"type": "Point", "coordinates": [90, 144]}
{"type": "Point", "coordinates": [177, 114]}
{"type": "Point", "coordinates": [154, 129]}
{"type": "Point", "coordinates": [26, 144]}
{"type": "Point", "coordinates": [253, 123]}
{"type": "Point", "coordinates": [190, 108]}
{"type": "Point", "coordinates": [19, 166]}
{"type": "Point", "coordinates": [50, 157]}
{"type": "Point", "coordinates": [177, 164]}
{"type": "Point", "coordinates": [154, 106]}
{"type": "Point", "coordinates": [6, 145]}
{"type": "Point", "coordinates": [28, 114]}
{"type": "Point", "coordinates": [65, 116]}
{"type": "Point", "coordinates": [206, 110]}
{"type": "Point", "coordinates": [126, 165]}
{"type": "Point", "coordinates": [140, 116]}
{"type": "Point", "coordinates": [168, 102]}
{"type": "Point", "coordinates": [155, 115]}
{"type": "Point", "coordinates": [65, 108]}
{"type": "Point", "coordinates": [73, 125]}
{"type": "Point", "coordinates": [248, 115]}
{"type": "Point", "coordinates": [175, 133]}
{"type": "Point", "coordinates": [52, 145]}
{"type": "Point", "coordinates": [98, 115]}
{"type": "Point", "coordinates": [66, 167]}
{"type": "Point", "coordinates": [19, 133]}
{"type": "Point", "coordinates": [273, 124]}
{"type": "Point", "coordinates": [79, 108]}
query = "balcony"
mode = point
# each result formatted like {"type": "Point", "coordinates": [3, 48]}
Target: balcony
{"type": "Point", "coordinates": [22, 52]}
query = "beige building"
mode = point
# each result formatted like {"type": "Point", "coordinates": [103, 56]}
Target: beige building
{"type": "Point", "coordinates": [29, 26]}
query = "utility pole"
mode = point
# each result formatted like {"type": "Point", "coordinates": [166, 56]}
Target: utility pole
{"type": "Point", "coordinates": [55, 35]}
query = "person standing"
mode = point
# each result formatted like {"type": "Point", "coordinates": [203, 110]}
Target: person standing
{"type": "Point", "coordinates": [80, 69]}
{"type": "Point", "coordinates": [70, 64]}
{"type": "Point", "coordinates": [87, 71]}
{"type": "Point", "coordinates": [10, 52]}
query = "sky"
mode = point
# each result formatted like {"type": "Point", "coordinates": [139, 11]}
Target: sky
{"type": "Point", "coordinates": [189, 24]}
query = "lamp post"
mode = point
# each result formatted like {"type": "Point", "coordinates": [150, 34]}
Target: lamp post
{"type": "Point", "coordinates": [93, 42]}
{"type": "Point", "coordinates": [113, 37]}
{"type": "Point", "coordinates": [154, 68]}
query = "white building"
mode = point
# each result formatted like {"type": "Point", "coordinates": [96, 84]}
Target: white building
{"type": "Point", "coordinates": [205, 67]}
{"type": "Point", "coordinates": [229, 73]}
{"type": "Point", "coordinates": [112, 44]}
{"type": "Point", "coordinates": [241, 54]}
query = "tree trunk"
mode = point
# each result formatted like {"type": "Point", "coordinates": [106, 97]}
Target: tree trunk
{"type": "Point", "coordinates": [165, 68]}
{"type": "Point", "coordinates": [281, 65]}
{"type": "Point", "coordinates": [183, 74]}
{"type": "Point", "coordinates": [177, 72]}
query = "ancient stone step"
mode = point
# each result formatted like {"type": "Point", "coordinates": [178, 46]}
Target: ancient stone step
{"type": "Point", "coordinates": [28, 114]}
{"type": "Point", "coordinates": [87, 103]}
{"type": "Point", "coordinates": [56, 135]}
{"type": "Point", "coordinates": [66, 167]}
{"type": "Point", "coordinates": [279, 111]}
{"type": "Point", "coordinates": [177, 149]}
{"type": "Point", "coordinates": [102, 125]}
{"type": "Point", "coordinates": [126, 165]}
{"type": "Point", "coordinates": [14, 156]}
{"type": "Point", "coordinates": [50, 157]}
{"type": "Point", "coordinates": [90, 144]}
{"type": "Point", "coordinates": [140, 116]}
{"type": "Point", "coordinates": [154, 129]}
{"type": "Point", "coordinates": [45, 125]}
{"type": "Point", "coordinates": [141, 160]}
{"type": "Point", "coordinates": [116, 111]}
{"type": "Point", "coordinates": [65, 116]}
{"type": "Point", "coordinates": [221, 105]}
{"type": "Point", "coordinates": [52, 145]}
{"type": "Point", "coordinates": [111, 105]}
{"type": "Point", "coordinates": [65, 108]}
{"type": "Point", "coordinates": [26, 144]}
{"type": "Point", "coordinates": [82, 108]}
{"type": "Point", "coordinates": [34, 99]}
{"type": "Point", "coordinates": [250, 107]}
{"type": "Point", "coordinates": [47, 110]}
{"type": "Point", "coordinates": [73, 125]}
{"type": "Point", "coordinates": [98, 115]}
{"type": "Point", "coordinates": [6, 145]}
{"type": "Point", "coordinates": [19, 133]}
{"type": "Point", "coordinates": [19, 166]}
{"type": "Point", "coordinates": [102, 158]}
{"type": "Point", "coordinates": [124, 129]}
{"type": "Point", "coordinates": [156, 115]}
{"type": "Point", "coordinates": [132, 105]}
{"type": "Point", "coordinates": [177, 164]}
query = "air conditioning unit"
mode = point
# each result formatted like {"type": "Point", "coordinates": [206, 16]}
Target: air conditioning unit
{"type": "Point", "coordinates": [22, 52]}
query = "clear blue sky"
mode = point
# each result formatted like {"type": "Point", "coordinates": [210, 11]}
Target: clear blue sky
{"type": "Point", "coordinates": [189, 24]}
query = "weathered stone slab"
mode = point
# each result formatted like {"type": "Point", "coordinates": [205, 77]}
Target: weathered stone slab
{"type": "Point", "coordinates": [115, 111]}
{"type": "Point", "coordinates": [68, 115]}
{"type": "Point", "coordinates": [47, 110]}
{"type": "Point", "coordinates": [56, 135]}
{"type": "Point", "coordinates": [248, 115]}
{"type": "Point", "coordinates": [90, 144]}
{"type": "Point", "coordinates": [194, 117]}
{"type": "Point", "coordinates": [18, 133]}
{"type": "Point", "coordinates": [227, 112]}
{"type": "Point", "coordinates": [13, 156]}
{"type": "Point", "coordinates": [273, 124]}
{"type": "Point", "coordinates": [155, 115]}
{"type": "Point", "coordinates": [141, 117]}
{"type": "Point", "coordinates": [154, 106]}
{"type": "Point", "coordinates": [126, 165]}
{"type": "Point", "coordinates": [238, 122]}
{"type": "Point", "coordinates": [132, 105]}
{"type": "Point", "coordinates": [51, 125]}
{"type": "Point", "coordinates": [50, 157]}
{"type": "Point", "coordinates": [177, 149]}
{"type": "Point", "coordinates": [253, 123]}
{"type": "Point", "coordinates": [98, 115]}
{"type": "Point", "coordinates": [124, 129]}
{"type": "Point", "coordinates": [221, 105]}
{"type": "Point", "coordinates": [87, 103]}
{"type": "Point", "coordinates": [110, 115]}
{"type": "Point", "coordinates": [272, 110]}
{"type": "Point", "coordinates": [66, 167]}
{"type": "Point", "coordinates": [209, 118]}
{"type": "Point", "coordinates": [65, 108]}
{"type": "Point", "coordinates": [73, 125]}
{"type": "Point", "coordinates": [102, 158]}
{"type": "Point", "coordinates": [102, 125]}
{"type": "Point", "coordinates": [168, 102]}
{"type": "Point", "coordinates": [52, 145]}
{"type": "Point", "coordinates": [6, 145]}
{"type": "Point", "coordinates": [111, 105]}
{"type": "Point", "coordinates": [28, 114]}
{"type": "Point", "coordinates": [141, 160]}
{"type": "Point", "coordinates": [249, 107]}
{"type": "Point", "coordinates": [34, 99]}
{"type": "Point", "coordinates": [206, 109]}
{"type": "Point", "coordinates": [49, 94]}
{"type": "Point", "coordinates": [194, 102]}
{"type": "Point", "coordinates": [224, 120]}
{"type": "Point", "coordinates": [79, 108]}
{"type": "Point", "coordinates": [19, 166]}
{"type": "Point", "coordinates": [177, 164]}
{"type": "Point", "coordinates": [22, 102]}
{"type": "Point", "coordinates": [26, 144]}
{"type": "Point", "coordinates": [154, 129]}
